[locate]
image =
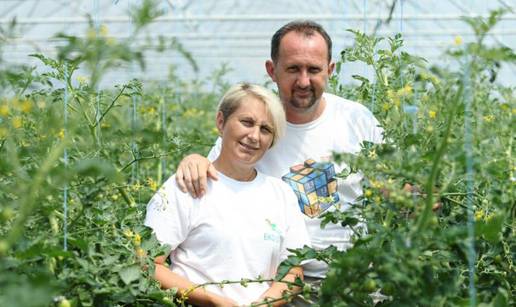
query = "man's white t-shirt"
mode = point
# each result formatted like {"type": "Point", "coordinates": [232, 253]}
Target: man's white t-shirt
{"type": "Point", "coordinates": [342, 128]}
{"type": "Point", "coordinates": [237, 230]}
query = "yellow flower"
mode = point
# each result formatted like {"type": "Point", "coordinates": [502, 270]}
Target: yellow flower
{"type": "Point", "coordinates": [103, 30]}
{"type": "Point", "coordinates": [386, 106]}
{"type": "Point", "coordinates": [432, 114]}
{"type": "Point", "coordinates": [368, 193]}
{"type": "Point", "coordinates": [374, 183]}
{"type": "Point", "coordinates": [153, 185]}
{"type": "Point", "coordinates": [137, 239]}
{"type": "Point", "coordinates": [479, 214]}
{"type": "Point", "coordinates": [372, 155]}
{"type": "Point", "coordinates": [406, 91]}
{"type": "Point", "coordinates": [489, 118]}
{"type": "Point", "coordinates": [3, 133]}
{"type": "Point", "coordinates": [128, 233]}
{"type": "Point", "coordinates": [41, 104]}
{"type": "Point", "coordinates": [377, 199]}
{"type": "Point", "coordinates": [140, 252]}
{"type": "Point", "coordinates": [26, 106]}
{"type": "Point", "coordinates": [4, 110]}
{"type": "Point", "coordinates": [82, 80]}
{"type": "Point", "coordinates": [457, 40]}
{"type": "Point", "coordinates": [61, 134]}
{"type": "Point", "coordinates": [137, 186]}
{"type": "Point", "coordinates": [17, 122]}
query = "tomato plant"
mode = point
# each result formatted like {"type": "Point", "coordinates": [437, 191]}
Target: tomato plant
{"type": "Point", "coordinates": [78, 162]}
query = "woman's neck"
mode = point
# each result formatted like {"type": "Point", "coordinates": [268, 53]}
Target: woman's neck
{"type": "Point", "coordinates": [235, 171]}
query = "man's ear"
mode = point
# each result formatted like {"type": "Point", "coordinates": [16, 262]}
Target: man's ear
{"type": "Point", "coordinates": [269, 66]}
{"type": "Point", "coordinates": [331, 68]}
{"type": "Point", "coordinates": [219, 122]}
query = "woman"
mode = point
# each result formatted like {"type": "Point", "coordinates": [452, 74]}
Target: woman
{"type": "Point", "coordinates": [244, 224]}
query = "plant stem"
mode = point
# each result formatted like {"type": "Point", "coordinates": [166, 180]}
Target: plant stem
{"type": "Point", "coordinates": [425, 216]}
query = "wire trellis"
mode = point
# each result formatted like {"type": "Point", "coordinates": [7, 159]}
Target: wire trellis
{"type": "Point", "coordinates": [65, 160]}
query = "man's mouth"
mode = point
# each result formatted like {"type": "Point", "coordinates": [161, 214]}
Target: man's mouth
{"type": "Point", "coordinates": [303, 93]}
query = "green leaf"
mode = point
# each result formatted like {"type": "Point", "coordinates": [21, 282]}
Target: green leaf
{"type": "Point", "coordinates": [501, 299]}
{"type": "Point", "coordinates": [130, 274]}
{"type": "Point", "coordinates": [490, 228]}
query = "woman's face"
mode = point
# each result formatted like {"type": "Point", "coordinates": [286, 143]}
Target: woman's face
{"type": "Point", "coordinates": [247, 133]}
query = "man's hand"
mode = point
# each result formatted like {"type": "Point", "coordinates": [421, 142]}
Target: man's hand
{"type": "Point", "coordinates": [192, 175]}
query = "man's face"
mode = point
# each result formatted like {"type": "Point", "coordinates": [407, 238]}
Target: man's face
{"type": "Point", "coordinates": [301, 72]}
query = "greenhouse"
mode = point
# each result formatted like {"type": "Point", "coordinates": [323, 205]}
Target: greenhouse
{"type": "Point", "coordinates": [257, 153]}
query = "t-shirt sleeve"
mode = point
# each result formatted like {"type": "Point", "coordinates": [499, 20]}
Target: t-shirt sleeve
{"type": "Point", "coordinates": [296, 235]}
{"type": "Point", "coordinates": [169, 214]}
{"type": "Point", "coordinates": [366, 125]}
{"type": "Point", "coordinates": [215, 150]}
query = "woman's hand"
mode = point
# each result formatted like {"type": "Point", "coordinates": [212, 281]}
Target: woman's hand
{"type": "Point", "coordinates": [219, 301]}
{"type": "Point", "coordinates": [192, 175]}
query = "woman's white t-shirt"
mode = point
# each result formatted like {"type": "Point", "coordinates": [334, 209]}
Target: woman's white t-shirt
{"type": "Point", "coordinates": [237, 230]}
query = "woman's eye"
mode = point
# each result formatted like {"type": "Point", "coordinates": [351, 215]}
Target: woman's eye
{"type": "Point", "coordinates": [247, 122]}
{"type": "Point", "coordinates": [267, 130]}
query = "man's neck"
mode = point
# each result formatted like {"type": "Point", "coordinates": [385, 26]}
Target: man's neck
{"type": "Point", "coordinates": [298, 118]}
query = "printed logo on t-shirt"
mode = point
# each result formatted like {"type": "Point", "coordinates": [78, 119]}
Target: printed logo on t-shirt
{"type": "Point", "coordinates": [273, 233]}
{"type": "Point", "coordinates": [315, 186]}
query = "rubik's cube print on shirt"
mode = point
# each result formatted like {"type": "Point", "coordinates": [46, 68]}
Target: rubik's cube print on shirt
{"type": "Point", "coordinates": [315, 186]}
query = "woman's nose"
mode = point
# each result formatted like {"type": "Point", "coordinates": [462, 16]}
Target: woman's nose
{"type": "Point", "coordinates": [254, 133]}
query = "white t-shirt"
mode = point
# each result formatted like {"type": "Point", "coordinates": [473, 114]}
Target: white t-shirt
{"type": "Point", "coordinates": [342, 127]}
{"type": "Point", "coordinates": [237, 230]}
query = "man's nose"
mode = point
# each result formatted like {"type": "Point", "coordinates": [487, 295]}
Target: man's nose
{"type": "Point", "coordinates": [303, 79]}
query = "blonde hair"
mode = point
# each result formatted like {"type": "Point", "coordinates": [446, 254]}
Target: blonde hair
{"type": "Point", "coordinates": [235, 96]}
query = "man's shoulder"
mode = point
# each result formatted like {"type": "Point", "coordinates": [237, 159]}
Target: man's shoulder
{"type": "Point", "coordinates": [342, 106]}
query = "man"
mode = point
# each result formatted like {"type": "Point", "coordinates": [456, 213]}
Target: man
{"type": "Point", "coordinates": [318, 125]}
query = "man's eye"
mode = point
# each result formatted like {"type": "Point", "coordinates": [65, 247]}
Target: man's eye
{"type": "Point", "coordinates": [292, 69]}
{"type": "Point", "coordinates": [314, 70]}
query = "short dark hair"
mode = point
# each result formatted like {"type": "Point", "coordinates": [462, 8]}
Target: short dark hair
{"type": "Point", "coordinates": [306, 27]}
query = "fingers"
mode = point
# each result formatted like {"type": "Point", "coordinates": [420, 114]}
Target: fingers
{"type": "Point", "coordinates": [192, 175]}
{"type": "Point", "coordinates": [190, 178]}
{"type": "Point", "coordinates": [212, 172]}
{"type": "Point", "coordinates": [180, 179]}
{"type": "Point", "coordinates": [185, 177]}
{"type": "Point", "coordinates": [203, 181]}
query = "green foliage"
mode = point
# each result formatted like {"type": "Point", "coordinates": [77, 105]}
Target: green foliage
{"type": "Point", "coordinates": [415, 196]}
{"type": "Point", "coordinates": [121, 143]}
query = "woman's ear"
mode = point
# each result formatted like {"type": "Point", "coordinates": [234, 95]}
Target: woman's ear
{"type": "Point", "coordinates": [220, 122]}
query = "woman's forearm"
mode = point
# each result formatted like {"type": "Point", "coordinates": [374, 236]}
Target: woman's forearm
{"type": "Point", "coordinates": [277, 289]}
{"type": "Point", "coordinates": [199, 296]}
